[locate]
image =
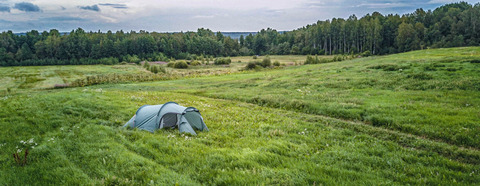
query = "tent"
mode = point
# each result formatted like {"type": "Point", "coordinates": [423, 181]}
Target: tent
{"type": "Point", "coordinates": [168, 115]}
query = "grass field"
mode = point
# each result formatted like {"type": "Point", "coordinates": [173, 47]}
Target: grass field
{"type": "Point", "coordinates": [409, 118]}
{"type": "Point", "coordinates": [43, 77]}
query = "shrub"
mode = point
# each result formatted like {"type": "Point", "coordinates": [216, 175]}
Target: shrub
{"type": "Point", "coordinates": [146, 65]}
{"type": "Point", "coordinates": [251, 65]}
{"type": "Point", "coordinates": [222, 61]}
{"type": "Point", "coordinates": [108, 61]}
{"type": "Point", "coordinates": [132, 59]}
{"type": "Point", "coordinates": [181, 64]}
{"type": "Point", "coordinates": [171, 64]}
{"type": "Point", "coordinates": [156, 69]}
{"type": "Point", "coordinates": [266, 62]}
{"type": "Point", "coordinates": [195, 63]}
{"type": "Point", "coordinates": [153, 69]}
{"type": "Point", "coordinates": [276, 63]}
{"type": "Point", "coordinates": [255, 57]}
{"type": "Point", "coordinates": [338, 58]}
{"type": "Point", "coordinates": [366, 53]}
{"type": "Point", "coordinates": [312, 60]}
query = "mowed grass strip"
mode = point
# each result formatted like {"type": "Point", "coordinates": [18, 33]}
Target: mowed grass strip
{"type": "Point", "coordinates": [80, 141]}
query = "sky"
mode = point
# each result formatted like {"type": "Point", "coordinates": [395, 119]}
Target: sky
{"type": "Point", "coordinates": [188, 15]}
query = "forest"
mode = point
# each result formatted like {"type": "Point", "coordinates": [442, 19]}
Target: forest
{"type": "Point", "coordinates": [451, 25]}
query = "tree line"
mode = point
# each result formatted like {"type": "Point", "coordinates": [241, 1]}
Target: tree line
{"type": "Point", "coordinates": [451, 25]}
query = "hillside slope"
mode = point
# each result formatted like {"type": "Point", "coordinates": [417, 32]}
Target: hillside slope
{"type": "Point", "coordinates": [363, 121]}
{"type": "Point", "coordinates": [431, 93]}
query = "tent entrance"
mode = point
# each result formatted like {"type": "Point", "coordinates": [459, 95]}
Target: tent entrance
{"type": "Point", "coordinates": [169, 120]}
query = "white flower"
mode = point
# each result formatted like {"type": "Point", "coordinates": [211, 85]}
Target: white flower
{"type": "Point", "coordinates": [19, 150]}
{"type": "Point", "coordinates": [30, 141]}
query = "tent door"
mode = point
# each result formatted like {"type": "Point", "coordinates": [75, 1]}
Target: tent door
{"type": "Point", "coordinates": [169, 120]}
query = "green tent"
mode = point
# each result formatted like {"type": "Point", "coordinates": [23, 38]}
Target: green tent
{"type": "Point", "coordinates": [168, 115]}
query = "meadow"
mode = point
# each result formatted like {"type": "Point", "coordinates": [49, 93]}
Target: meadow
{"type": "Point", "coordinates": [24, 79]}
{"type": "Point", "coordinates": [410, 118]}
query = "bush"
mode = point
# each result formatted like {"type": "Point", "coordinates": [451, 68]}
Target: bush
{"type": "Point", "coordinates": [181, 64]}
{"type": "Point", "coordinates": [108, 61]}
{"type": "Point", "coordinates": [195, 63]}
{"type": "Point", "coordinates": [251, 65]}
{"type": "Point", "coordinates": [222, 61]}
{"type": "Point", "coordinates": [132, 59]}
{"type": "Point", "coordinates": [171, 64]}
{"type": "Point", "coordinates": [266, 62]}
{"type": "Point", "coordinates": [156, 69]}
{"type": "Point", "coordinates": [338, 58]}
{"type": "Point", "coordinates": [255, 57]}
{"type": "Point", "coordinates": [366, 53]}
{"type": "Point", "coordinates": [146, 65]}
{"type": "Point", "coordinates": [312, 60]}
{"type": "Point", "coordinates": [276, 63]}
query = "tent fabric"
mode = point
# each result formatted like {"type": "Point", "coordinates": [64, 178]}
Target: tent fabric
{"type": "Point", "coordinates": [168, 115]}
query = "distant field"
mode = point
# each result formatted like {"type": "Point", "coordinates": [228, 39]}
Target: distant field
{"type": "Point", "coordinates": [404, 119]}
{"type": "Point", "coordinates": [40, 77]}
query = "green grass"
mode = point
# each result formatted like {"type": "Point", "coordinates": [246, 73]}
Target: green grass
{"type": "Point", "coordinates": [41, 77]}
{"type": "Point", "coordinates": [399, 92]}
{"type": "Point", "coordinates": [15, 79]}
{"type": "Point", "coordinates": [301, 125]}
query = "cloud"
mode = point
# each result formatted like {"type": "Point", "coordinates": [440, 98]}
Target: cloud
{"type": "Point", "coordinates": [4, 8]}
{"type": "Point", "coordinates": [26, 7]}
{"type": "Point", "coordinates": [92, 8]}
{"type": "Point", "coordinates": [382, 5]}
{"type": "Point", "coordinates": [4, 21]}
{"type": "Point", "coordinates": [203, 16]}
{"type": "Point", "coordinates": [62, 19]}
{"type": "Point", "coordinates": [113, 5]}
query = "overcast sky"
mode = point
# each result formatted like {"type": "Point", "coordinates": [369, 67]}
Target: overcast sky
{"type": "Point", "coordinates": [188, 15]}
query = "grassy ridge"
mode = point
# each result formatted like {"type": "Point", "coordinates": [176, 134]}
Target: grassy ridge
{"type": "Point", "coordinates": [79, 141]}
